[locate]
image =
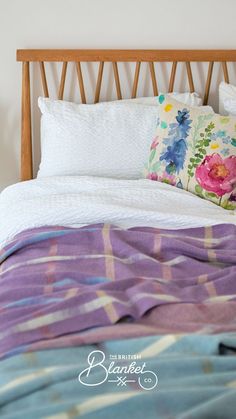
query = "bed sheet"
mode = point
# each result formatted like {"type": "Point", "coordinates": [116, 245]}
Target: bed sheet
{"type": "Point", "coordinates": [76, 201]}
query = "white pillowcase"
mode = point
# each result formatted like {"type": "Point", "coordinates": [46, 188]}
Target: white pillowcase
{"type": "Point", "coordinates": [227, 99]}
{"type": "Point", "coordinates": [191, 99]}
{"type": "Point", "coordinates": [110, 139]}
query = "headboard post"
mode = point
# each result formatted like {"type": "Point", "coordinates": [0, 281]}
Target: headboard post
{"type": "Point", "coordinates": [26, 140]}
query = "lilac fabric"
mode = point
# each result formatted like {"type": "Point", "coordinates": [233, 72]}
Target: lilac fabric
{"type": "Point", "coordinates": [57, 283]}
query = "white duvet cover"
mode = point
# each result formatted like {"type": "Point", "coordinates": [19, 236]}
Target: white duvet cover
{"type": "Point", "coordinates": [75, 201]}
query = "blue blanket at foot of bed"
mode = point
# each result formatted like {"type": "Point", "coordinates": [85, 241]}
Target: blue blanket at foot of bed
{"type": "Point", "coordinates": [172, 376]}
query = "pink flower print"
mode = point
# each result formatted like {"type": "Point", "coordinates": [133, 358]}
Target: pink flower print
{"type": "Point", "coordinates": [167, 178]}
{"type": "Point", "coordinates": [216, 174]}
{"type": "Point", "coordinates": [155, 143]}
{"type": "Point", "coordinates": [152, 176]}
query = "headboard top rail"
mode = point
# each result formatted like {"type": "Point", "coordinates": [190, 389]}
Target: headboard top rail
{"type": "Point", "coordinates": [111, 55]}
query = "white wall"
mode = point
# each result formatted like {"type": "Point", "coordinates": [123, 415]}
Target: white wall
{"type": "Point", "coordinates": [97, 24]}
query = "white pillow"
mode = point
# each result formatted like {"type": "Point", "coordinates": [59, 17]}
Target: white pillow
{"type": "Point", "coordinates": [227, 99]}
{"type": "Point", "coordinates": [191, 99]}
{"type": "Point", "coordinates": [109, 139]}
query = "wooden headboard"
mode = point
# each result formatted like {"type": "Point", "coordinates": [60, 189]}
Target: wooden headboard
{"type": "Point", "coordinates": [26, 56]}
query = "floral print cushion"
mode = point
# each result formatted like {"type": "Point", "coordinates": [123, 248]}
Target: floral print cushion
{"type": "Point", "coordinates": [195, 151]}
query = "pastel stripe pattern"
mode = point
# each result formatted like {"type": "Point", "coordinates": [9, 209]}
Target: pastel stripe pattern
{"type": "Point", "coordinates": [58, 283]}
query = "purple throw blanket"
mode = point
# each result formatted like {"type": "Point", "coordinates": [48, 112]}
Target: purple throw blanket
{"type": "Point", "coordinates": [57, 283]}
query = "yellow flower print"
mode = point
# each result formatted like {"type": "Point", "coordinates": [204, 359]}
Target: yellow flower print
{"type": "Point", "coordinates": [168, 107]}
{"type": "Point", "coordinates": [214, 146]}
{"type": "Point", "coordinates": [224, 120]}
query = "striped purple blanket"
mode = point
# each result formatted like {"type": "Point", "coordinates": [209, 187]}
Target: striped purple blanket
{"type": "Point", "coordinates": [64, 286]}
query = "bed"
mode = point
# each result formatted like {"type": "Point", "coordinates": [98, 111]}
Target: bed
{"type": "Point", "coordinates": [117, 295]}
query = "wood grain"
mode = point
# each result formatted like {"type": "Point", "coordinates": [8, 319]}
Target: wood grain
{"type": "Point", "coordinates": [99, 82]}
{"type": "Point", "coordinates": [117, 80]}
{"type": "Point", "coordinates": [81, 82]}
{"type": "Point", "coordinates": [26, 140]}
{"type": "Point", "coordinates": [153, 77]}
{"type": "Point", "coordinates": [190, 77]}
{"type": "Point", "coordinates": [225, 71]}
{"type": "Point", "coordinates": [136, 77]}
{"type": "Point", "coordinates": [44, 79]}
{"type": "Point", "coordinates": [208, 83]}
{"type": "Point", "coordinates": [117, 55]}
{"type": "Point", "coordinates": [172, 77]}
{"type": "Point", "coordinates": [63, 80]}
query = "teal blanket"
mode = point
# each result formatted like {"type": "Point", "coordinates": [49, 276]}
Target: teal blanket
{"type": "Point", "coordinates": [193, 376]}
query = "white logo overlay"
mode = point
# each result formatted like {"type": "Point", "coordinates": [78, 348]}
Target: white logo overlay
{"type": "Point", "coordinates": [97, 373]}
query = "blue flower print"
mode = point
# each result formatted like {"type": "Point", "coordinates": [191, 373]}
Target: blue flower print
{"type": "Point", "coordinates": [221, 134]}
{"type": "Point", "coordinates": [213, 136]}
{"type": "Point", "coordinates": [176, 149]}
{"type": "Point", "coordinates": [184, 122]}
{"type": "Point", "coordinates": [225, 152]}
{"type": "Point", "coordinates": [226, 140]}
{"type": "Point", "coordinates": [175, 156]}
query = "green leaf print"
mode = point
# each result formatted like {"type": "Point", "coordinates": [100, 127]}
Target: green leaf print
{"type": "Point", "coordinates": [200, 142]}
{"type": "Point", "coordinates": [152, 155]}
{"type": "Point", "coordinates": [199, 190]}
{"type": "Point", "coordinates": [156, 166]}
{"type": "Point", "coordinates": [227, 205]}
{"type": "Point", "coordinates": [211, 195]}
{"type": "Point", "coordinates": [201, 122]}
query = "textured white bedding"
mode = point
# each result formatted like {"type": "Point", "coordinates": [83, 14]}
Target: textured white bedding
{"type": "Point", "coordinates": [75, 201]}
{"type": "Point", "coordinates": [78, 140]}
